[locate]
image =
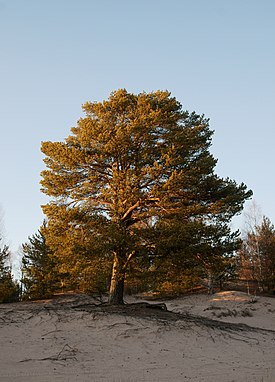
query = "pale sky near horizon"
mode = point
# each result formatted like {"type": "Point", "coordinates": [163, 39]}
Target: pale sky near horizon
{"type": "Point", "coordinates": [217, 57]}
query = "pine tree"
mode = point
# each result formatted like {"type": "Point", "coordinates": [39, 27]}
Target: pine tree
{"type": "Point", "coordinates": [9, 290]}
{"type": "Point", "coordinates": [39, 274]}
{"type": "Point", "coordinates": [132, 164]}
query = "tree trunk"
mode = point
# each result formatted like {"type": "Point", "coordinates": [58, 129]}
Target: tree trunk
{"type": "Point", "coordinates": [117, 282]}
{"type": "Point", "coordinates": [210, 282]}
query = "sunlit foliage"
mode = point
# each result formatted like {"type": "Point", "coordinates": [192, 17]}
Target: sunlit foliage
{"type": "Point", "coordinates": [134, 175]}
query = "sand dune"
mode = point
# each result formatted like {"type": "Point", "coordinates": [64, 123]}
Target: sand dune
{"type": "Point", "coordinates": [221, 338]}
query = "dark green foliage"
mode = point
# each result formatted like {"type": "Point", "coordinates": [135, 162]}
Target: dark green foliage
{"type": "Point", "coordinates": [39, 275]}
{"type": "Point", "coordinates": [188, 253]}
{"type": "Point", "coordinates": [9, 289]}
{"type": "Point", "coordinates": [266, 234]}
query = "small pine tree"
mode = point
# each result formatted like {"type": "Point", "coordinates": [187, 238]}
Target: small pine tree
{"type": "Point", "coordinates": [9, 290]}
{"type": "Point", "coordinates": [38, 268]}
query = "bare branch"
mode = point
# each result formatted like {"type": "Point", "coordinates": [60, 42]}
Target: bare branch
{"type": "Point", "coordinates": [130, 210]}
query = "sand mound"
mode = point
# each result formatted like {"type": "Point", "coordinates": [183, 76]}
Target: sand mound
{"type": "Point", "coordinates": [225, 337]}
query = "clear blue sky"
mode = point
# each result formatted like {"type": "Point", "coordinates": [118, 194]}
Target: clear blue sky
{"type": "Point", "coordinates": [216, 56]}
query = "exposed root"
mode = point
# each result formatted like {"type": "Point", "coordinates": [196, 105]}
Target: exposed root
{"type": "Point", "coordinates": [141, 310]}
{"type": "Point", "coordinates": [65, 354]}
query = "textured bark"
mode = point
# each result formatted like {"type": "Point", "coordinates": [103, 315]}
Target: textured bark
{"type": "Point", "coordinates": [210, 282]}
{"type": "Point", "coordinates": [117, 282]}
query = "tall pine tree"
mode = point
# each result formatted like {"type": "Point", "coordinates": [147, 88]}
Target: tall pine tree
{"type": "Point", "coordinates": [132, 164]}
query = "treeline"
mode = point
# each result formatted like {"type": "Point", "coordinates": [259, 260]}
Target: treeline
{"type": "Point", "coordinates": [42, 276]}
{"type": "Point", "coordinates": [44, 273]}
{"type": "Point", "coordinates": [256, 257]}
{"type": "Point", "coordinates": [252, 261]}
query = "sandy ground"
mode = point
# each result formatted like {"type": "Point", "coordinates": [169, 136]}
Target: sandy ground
{"type": "Point", "coordinates": [221, 338]}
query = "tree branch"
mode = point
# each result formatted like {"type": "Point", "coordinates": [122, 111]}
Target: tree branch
{"type": "Point", "coordinates": [128, 260]}
{"type": "Point", "coordinates": [130, 210]}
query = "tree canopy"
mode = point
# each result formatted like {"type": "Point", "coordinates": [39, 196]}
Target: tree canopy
{"type": "Point", "coordinates": [133, 170]}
